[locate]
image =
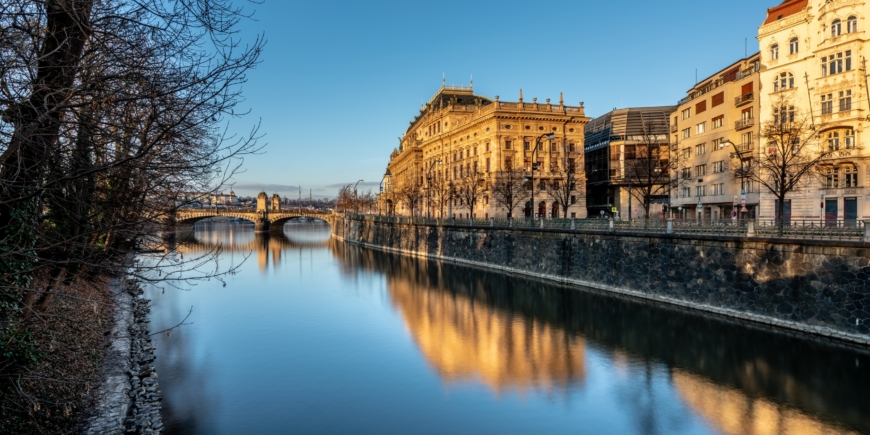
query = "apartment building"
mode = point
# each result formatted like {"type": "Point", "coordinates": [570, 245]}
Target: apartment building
{"type": "Point", "coordinates": [813, 54]}
{"type": "Point", "coordinates": [714, 135]}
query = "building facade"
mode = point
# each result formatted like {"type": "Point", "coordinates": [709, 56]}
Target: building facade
{"type": "Point", "coordinates": [813, 54]}
{"type": "Point", "coordinates": [714, 135]}
{"type": "Point", "coordinates": [611, 149]}
{"type": "Point", "coordinates": [458, 135]}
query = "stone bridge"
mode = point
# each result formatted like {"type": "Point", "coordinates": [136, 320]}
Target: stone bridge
{"type": "Point", "coordinates": [264, 220]}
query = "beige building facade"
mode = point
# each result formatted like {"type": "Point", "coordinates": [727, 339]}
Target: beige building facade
{"type": "Point", "coordinates": [813, 54]}
{"type": "Point", "coordinates": [458, 133]}
{"type": "Point", "coordinates": [713, 134]}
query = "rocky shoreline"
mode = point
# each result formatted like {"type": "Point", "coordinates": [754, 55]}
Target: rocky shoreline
{"type": "Point", "coordinates": [128, 399]}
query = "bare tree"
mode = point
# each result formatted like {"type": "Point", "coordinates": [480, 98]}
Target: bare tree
{"type": "Point", "coordinates": [345, 199]}
{"type": "Point", "coordinates": [439, 193]}
{"type": "Point", "coordinates": [509, 189]}
{"type": "Point", "coordinates": [792, 154]}
{"type": "Point", "coordinates": [470, 189]}
{"type": "Point", "coordinates": [571, 184]}
{"type": "Point", "coordinates": [109, 111]}
{"type": "Point", "coordinates": [649, 166]}
{"type": "Point", "coordinates": [410, 195]}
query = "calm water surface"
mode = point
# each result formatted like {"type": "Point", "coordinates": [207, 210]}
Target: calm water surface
{"type": "Point", "coordinates": [312, 336]}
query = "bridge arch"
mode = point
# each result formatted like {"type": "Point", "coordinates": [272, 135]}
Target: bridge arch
{"type": "Point", "coordinates": [278, 223]}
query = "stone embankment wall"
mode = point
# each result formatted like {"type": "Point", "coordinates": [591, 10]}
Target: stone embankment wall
{"type": "Point", "coordinates": [814, 286]}
{"type": "Point", "coordinates": [128, 398]}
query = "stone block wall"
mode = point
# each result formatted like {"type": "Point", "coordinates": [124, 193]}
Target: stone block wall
{"type": "Point", "coordinates": [819, 287]}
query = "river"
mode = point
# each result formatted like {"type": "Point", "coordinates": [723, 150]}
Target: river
{"type": "Point", "coordinates": [313, 336]}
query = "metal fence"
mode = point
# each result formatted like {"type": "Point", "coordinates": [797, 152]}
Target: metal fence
{"type": "Point", "coordinates": [806, 229]}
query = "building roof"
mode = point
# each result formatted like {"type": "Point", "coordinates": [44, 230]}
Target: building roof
{"type": "Point", "coordinates": [621, 124]}
{"type": "Point", "coordinates": [785, 9]}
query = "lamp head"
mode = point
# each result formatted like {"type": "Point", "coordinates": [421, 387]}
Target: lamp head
{"type": "Point", "coordinates": [551, 136]}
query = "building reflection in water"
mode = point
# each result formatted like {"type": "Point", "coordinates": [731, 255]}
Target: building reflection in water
{"type": "Point", "coordinates": [463, 340]}
{"type": "Point", "coordinates": [517, 334]}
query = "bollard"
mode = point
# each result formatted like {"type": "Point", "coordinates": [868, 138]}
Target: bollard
{"type": "Point", "coordinates": [453, 221]}
{"type": "Point", "coordinates": [750, 229]}
{"type": "Point", "coordinates": [492, 222]}
{"type": "Point", "coordinates": [867, 231]}
{"type": "Point", "coordinates": [610, 224]}
{"type": "Point", "coordinates": [511, 222]}
{"type": "Point", "coordinates": [670, 226]}
{"type": "Point", "coordinates": [542, 223]}
{"type": "Point", "coordinates": [572, 223]}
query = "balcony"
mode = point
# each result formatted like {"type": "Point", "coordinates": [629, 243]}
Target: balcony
{"type": "Point", "coordinates": [745, 148]}
{"type": "Point", "coordinates": [744, 99]}
{"type": "Point", "coordinates": [673, 128]}
{"type": "Point", "coordinates": [744, 123]}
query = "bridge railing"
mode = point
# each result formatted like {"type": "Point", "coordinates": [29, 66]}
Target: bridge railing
{"type": "Point", "coordinates": [802, 229]}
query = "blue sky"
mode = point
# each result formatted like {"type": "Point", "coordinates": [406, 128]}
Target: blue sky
{"type": "Point", "coordinates": [341, 80]}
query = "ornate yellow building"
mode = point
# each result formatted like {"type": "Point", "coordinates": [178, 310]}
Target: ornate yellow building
{"type": "Point", "coordinates": [813, 53]}
{"type": "Point", "coordinates": [458, 133]}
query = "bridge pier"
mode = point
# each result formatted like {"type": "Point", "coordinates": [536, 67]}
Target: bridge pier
{"type": "Point", "coordinates": [261, 226]}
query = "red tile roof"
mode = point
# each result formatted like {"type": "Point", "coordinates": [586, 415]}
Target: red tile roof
{"type": "Point", "coordinates": [788, 7]}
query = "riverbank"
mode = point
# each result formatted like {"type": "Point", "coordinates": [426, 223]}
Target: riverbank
{"type": "Point", "coordinates": [813, 287]}
{"type": "Point", "coordinates": [128, 397]}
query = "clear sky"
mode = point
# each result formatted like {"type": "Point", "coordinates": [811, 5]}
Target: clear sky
{"type": "Point", "coordinates": [341, 80]}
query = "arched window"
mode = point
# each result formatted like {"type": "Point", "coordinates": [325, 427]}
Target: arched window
{"type": "Point", "coordinates": [792, 46]}
{"type": "Point", "coordinates": [836, 28]}
{"type": "Point", "coordinates": [852, 24]}
{"type": "Point", "coordinates": [783, 81]}
{"type": "Point", "coordinates": [774, 52]}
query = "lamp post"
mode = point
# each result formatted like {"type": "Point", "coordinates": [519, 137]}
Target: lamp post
{"type": "Point", "coordinates": [742, 171]}
{"type": "Point", "coordinates": [429, 187]}
{"type": "Point", "coordinates": [355, 199]}
{"type": "Point", "coordinates": [550, 136]}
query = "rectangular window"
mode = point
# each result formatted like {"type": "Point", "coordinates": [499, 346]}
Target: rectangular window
{"type": "Point", "coordinates": [718, 144]}
{"type": "Point", "coordinates": [687, 153]}
{"type": "Point", "coordinates": [827, 104]}
{"type": "Point", "coordinates": [475, 150]}
{"type": "Point", "coordinates": [849, 139]}
{"type": "Point", "coordinates": [717, 99]}
{"type": "Point", "coordinates": [701, 128]}
{"type": "Point", "coordinates": [487, 164]}
{"type": "Point", "coordinates": [851, 177]}
{"type": "Point", "coordinates": [507, 144]}
{"type": "Point", "coordinates": [700, 107]}
{"type": "Point", "coordinates": [487, 147]}
{"type": "Point", "coordinates": [832, 178]}
{"type": "Point", "coordinates": [718, 189]}
{"type": "Point", "coordinates": [845, 100]}
{"type": "Point", "coordinates": [507, 164]}
{"type": "Point", "coordinates": [719, 167]}
{"type": "Point", "coordinates": [700, 170]}
{"type": "Point", "coordinates": [837, 63]}
{"type": "Point", "coordinates": [701, 149]}
{"type": "Point", "coordinates": [718, 121]}
{"type": "Point", "coordinates": [686, 113]}
{"type": "Point", "coordinates": [686, 133]}
{"type": "Point", "coordinates": [700, 191]}
{"type": "Point", "coordinates": [527, 145]}
{"type": "Point", "coordinates": [687, 173]}
{"type": "Point", "coordinates": [686, 192]}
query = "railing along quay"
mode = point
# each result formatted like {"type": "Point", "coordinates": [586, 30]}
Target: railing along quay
{"type": "Point", "coordinates": [802, 229]}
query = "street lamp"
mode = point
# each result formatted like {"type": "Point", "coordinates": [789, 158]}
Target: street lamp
{"type": "Point", "coordinates": [429, 187]}
{"type": "Point", "coordinates": [550, 136]}
{"type": "Point", "coordinates": [743, 168]}
{"type": "Point", "coordinates": [355, 199]}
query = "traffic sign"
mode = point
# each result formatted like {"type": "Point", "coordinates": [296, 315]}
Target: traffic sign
{"type": "Point", "coordinates": [744, 210]}
{"type": "Point", "coordinates": [613, 209]}
{"type": "Point", "coordinates": [743, 202]}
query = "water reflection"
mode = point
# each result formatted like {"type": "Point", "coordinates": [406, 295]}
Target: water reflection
{"type": "Point", "coordinates": [815, 387]}
{"type": "Point", "coordinates": [602, 358]}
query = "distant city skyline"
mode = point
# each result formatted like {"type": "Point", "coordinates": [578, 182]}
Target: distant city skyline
{"type": "Point", "coordinates": [339, 83]}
